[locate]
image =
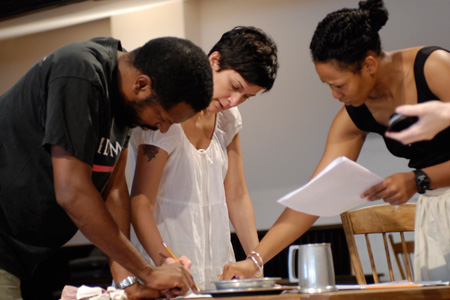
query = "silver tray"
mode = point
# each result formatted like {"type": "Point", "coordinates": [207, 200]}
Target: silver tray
{"type": "Point", "coordinates": [248, 292]}
{"type": "Point", "coordinates": [243, 284]}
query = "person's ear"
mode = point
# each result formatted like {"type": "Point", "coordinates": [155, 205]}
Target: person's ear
{"type": "Point", "coordinates": [142, 86]}
{"type": "Point", "coordinates": [370, 64]}
{"type": "Point", "coordinates": [214, 61]}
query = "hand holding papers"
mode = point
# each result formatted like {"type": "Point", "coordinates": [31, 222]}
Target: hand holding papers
{"type": "Point", "coordinates": [334, 190]}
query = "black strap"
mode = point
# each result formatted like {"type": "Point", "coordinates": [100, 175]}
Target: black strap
{"type": "Point", "coordinates": [423, 91]}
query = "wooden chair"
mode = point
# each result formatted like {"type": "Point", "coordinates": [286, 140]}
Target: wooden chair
{"type": "Point", "coordinates": [397, 248]}
{"type": "Point", "coordinates": [378, 219]}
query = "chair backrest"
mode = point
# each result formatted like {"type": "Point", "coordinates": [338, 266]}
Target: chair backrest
{"type": "Point", "coordinates": [397, 248]}
{"type": "Point", "coordinates": [378, 219]}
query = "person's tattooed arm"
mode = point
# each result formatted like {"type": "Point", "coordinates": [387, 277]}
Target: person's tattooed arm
{"type": "Point", "coordinates": [150, 151]}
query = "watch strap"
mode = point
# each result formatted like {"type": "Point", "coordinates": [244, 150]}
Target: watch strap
{"type": "Point", "coordinates": [129, 281]}
{"type": "Point", "coordinates": [422, 181]}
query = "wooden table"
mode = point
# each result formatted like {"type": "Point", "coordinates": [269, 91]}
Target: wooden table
{"type": "Point", "coordinates": [417, 293]}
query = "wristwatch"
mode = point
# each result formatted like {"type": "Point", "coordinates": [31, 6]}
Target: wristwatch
{"type": "Point", "coordinates": [129, 281]}
{"type": "Point", "coordinates": [422, 181]}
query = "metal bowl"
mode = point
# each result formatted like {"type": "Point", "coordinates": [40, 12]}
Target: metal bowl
{"type": "Point", "coordinates": [243, 284]}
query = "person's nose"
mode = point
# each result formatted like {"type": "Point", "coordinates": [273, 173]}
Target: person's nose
{"type": "Point", "coordinates": [336, 94]}
{"type": "Point", "coordinates": [235, 99]}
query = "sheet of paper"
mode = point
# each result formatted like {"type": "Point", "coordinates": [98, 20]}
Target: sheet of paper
{"type": "Point", "coordinates": [334, 190]}
{"type": "Point", "coordinates": [343, 287]}
{"type": "Point", "coordinates": [193, 295]}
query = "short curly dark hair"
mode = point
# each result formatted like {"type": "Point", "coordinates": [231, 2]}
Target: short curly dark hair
{"type": "Point", "coordinates": [250, 52]}
{"type": "Point", "coordinates": [346, 35]}
{"type": "Point", "coordinates": [179, 70]}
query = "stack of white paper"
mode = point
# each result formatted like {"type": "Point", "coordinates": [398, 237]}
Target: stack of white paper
{"type": "Point", "coordinates": [334, 190]}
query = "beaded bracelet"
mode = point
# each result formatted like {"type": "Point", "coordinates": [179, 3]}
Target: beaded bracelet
{"type": "Point", "coordinates": [260, 264]}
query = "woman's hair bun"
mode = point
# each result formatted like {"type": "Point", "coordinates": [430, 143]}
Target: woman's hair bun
{"type": "Point", "coordinates": [378, 14]}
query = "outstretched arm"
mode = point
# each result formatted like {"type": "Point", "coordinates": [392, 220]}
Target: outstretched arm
{"type": "Point", "coordinates": [344, 139]}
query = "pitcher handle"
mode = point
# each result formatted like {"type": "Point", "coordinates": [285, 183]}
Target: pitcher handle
{"type": "Point", "coordinates": [291, 267]}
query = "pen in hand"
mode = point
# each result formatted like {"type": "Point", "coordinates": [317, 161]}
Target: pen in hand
{"type": "Point", "coordinates": [176, 259]}
{"type": "Point", "coordinates": [170, 252]}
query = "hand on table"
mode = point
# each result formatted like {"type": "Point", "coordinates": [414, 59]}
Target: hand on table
{"type": "Point", "coordinates": [240, 270]}
{"type": "Point", "coordinates": [172, 278]}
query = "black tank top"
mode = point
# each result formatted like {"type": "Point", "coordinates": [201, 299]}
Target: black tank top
{"type": "Point", "coordinates": [420, 154]}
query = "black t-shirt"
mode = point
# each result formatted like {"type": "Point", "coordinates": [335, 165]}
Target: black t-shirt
{"type": "Point", "coordinates": [420, 154]}
{"type": "Point", "coordinates": [69, 99]}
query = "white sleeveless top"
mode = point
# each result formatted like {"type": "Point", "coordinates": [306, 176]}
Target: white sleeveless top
{"type": "Point", "coordinates": [191, 211]}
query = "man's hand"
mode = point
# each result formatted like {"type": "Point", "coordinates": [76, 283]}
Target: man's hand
{"type": "Point", "coordinates": [138, 291]}
{"type": "Point", "coordinates": [173, 277]}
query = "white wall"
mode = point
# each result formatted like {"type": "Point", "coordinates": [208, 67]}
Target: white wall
{"type": "Point", "coordinates": [134, 29]}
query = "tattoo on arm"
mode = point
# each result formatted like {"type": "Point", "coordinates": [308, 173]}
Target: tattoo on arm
{"type": "Point", "coordinates": [150, 151]}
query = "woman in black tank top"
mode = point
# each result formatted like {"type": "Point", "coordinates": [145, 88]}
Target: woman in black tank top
{"type": "Point", "coordinates": [371, 83]}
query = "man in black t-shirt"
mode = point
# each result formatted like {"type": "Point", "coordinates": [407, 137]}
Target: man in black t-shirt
{"type": "Point", "coordinates": [64, 130]}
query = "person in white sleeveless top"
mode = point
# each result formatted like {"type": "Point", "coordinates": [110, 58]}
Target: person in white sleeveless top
{"type": "Point", "coordinates": [189, 182]}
